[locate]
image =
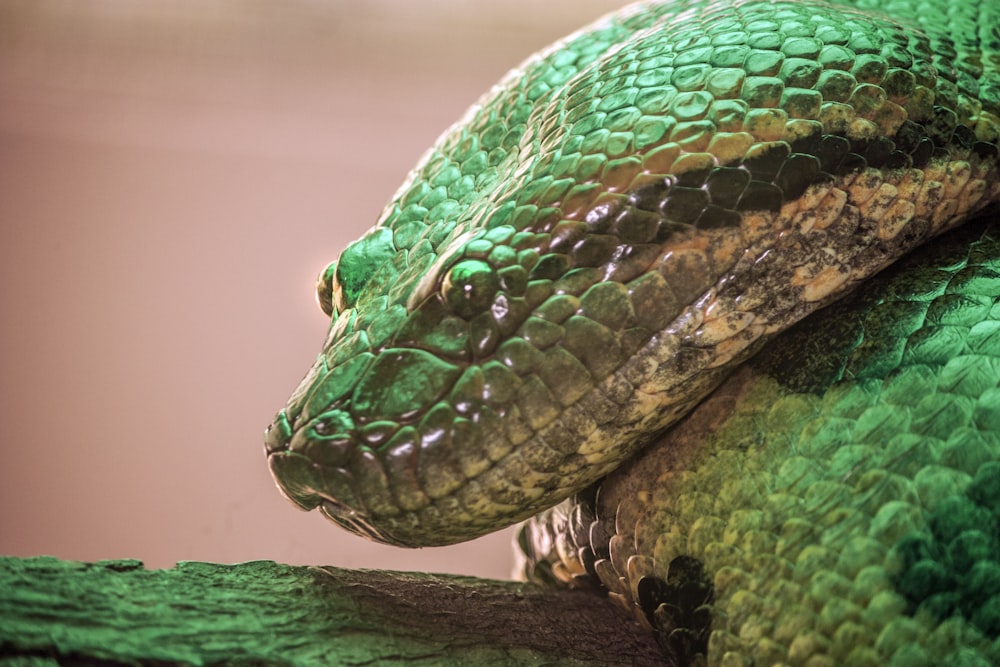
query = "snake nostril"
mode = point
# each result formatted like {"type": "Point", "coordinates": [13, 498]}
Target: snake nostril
{"type": "Point", "coordinates": [278, 434]}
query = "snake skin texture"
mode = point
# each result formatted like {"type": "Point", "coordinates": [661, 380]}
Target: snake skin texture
{"type": "Point", "coordinates": [604, 237]}
{"type": "Point", "coordinates": [835, 502]}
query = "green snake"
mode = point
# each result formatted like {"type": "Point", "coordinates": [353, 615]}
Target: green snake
{"type": "Point", "coordinates": [545, 311]}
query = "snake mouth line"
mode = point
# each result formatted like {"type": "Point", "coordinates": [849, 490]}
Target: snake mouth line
{"type": "Point", "coordinates": [300, 481]}
{"type": "Point", "coordinates": [303, 482]}
{"type": "Point", "coordinates": [296, 476]}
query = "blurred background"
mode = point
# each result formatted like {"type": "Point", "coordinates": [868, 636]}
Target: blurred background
{"type": "Point", "coordinates": [173, 175]}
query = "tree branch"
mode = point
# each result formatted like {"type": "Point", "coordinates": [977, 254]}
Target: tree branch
{"type": "Point", "coordinates": [264, 613]}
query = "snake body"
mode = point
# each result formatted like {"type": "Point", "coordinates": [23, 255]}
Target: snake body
{"type": "Point", "coordinates": [594, 247]}
{"type": "Point", "coordinates": [835, 502]}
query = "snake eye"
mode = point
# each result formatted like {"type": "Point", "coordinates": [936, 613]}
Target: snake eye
{"type": "Point", "coordinates": [324, 289]}
{"type": "Point", "coordinates": [469, 287]}
{"type": "Point", "coordinates": [340, 285]}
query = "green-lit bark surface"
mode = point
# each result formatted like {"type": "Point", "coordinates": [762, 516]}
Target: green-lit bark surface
{"type": "Point", "coordinates": [264, 613]}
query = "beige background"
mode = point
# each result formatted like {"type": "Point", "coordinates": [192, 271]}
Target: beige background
{"type": "Point", "coordinates": [173, 174]}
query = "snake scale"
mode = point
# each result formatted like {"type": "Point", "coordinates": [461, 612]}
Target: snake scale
{"type": "Point", "coordinates": [541, 319]}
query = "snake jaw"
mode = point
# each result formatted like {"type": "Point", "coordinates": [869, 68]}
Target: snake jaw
{"type": "Point", "coordinates": [303, 482]}
{"type": "Point", "coordinates": [357, 523]}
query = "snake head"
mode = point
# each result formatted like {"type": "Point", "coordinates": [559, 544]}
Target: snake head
{"type": "Point", "coordinates": [408, 428]}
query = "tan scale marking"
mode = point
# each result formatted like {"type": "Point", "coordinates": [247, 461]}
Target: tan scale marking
{"type": "Point", "coordinates": [692, 162]}
{"type": "Point", "coordinates": [828, 211]}
{"type": "Point", "coordinates": [644, 178]}
{"type": "Point", "coordinates": [758, 224]}
{"type": "Point", "coordinates": [930, 195]}
{"type": "Point", "coordinates": [800, 128]}
{"type": "Point", "coordinates": [895, 218]}
{"type": "Point", "coordinates": [725, 246]}
{"type": "Point", "coordinates": [792, 209]}
{"type": "Point", "coordinates": [688, 321]}
{"type": "Point", "coordinates": [836, 117]}
{"type": "Point", "coordinates": [944, 212]}
{"type": "Point", "coordinates": [766, 124]}
{"type": "Point", "coordinates": [619, 174]}
{"type": "Point", "coordinates": [786, 214]}
{"type": "Point", "coordinates": [730, 146]}
{"type": "Point", "coordinates": [729, 349]}
{"type": "Point", "coordinates": [861, 129]}
{"type": "Point", "coordinates": [936, 171]}
{"type": "Point", "coordinates": [889, 118]}
{"type": "Point", "coordinates": [879, 203]}
{"type": "Point", "coordinates": [693, 136]}
{"type": "Point", "coordinates": [804, 221]}
{"type": "Point", "coordinates": [661, 159]}
{"type": "Point", "coordinates": [685, 269]}
{"type": "Point", "coordinates": [957, 175]}
{"type": "Point", "coordinates": [693, 240]}
{"type": "Point", "coordinates": [867, 99]}
{"type": "Point", "coordinates": [909, 185]}
{"type": "Point", "coordinates": [715, 330]}
{"type": "Point", "coordinates": [813, 195]}
{"type": "Point", "coordinates": [804, 274]}
{"type": "Point", "coordinates": [964, 190]}
{"type": "Point", "coordinates": [824, 283]}
{"type": "Point", "coordinates": [865, 186]}
{"type": "Point", "coordinates": [730, 330]}
{"type": "Point", "coordinates": [763, 147]}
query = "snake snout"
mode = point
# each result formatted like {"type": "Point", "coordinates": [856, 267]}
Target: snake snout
{"type": "Point", "coordinates": [278, 434]}
{"type": "Point", "coordinates": [297, 479]}
{"type": "Point", "coordinates": [304, 458]}
{"type": "Point", "coordinates": [291, 471]}
{"type": "Point", "coordinates": [297, 476]}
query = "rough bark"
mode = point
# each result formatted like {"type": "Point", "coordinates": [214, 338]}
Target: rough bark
{"type": "Point", "coordinates": [264, 613]}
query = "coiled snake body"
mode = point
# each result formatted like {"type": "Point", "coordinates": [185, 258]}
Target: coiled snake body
{"type": "Point", "coordinates": [603, 239]}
